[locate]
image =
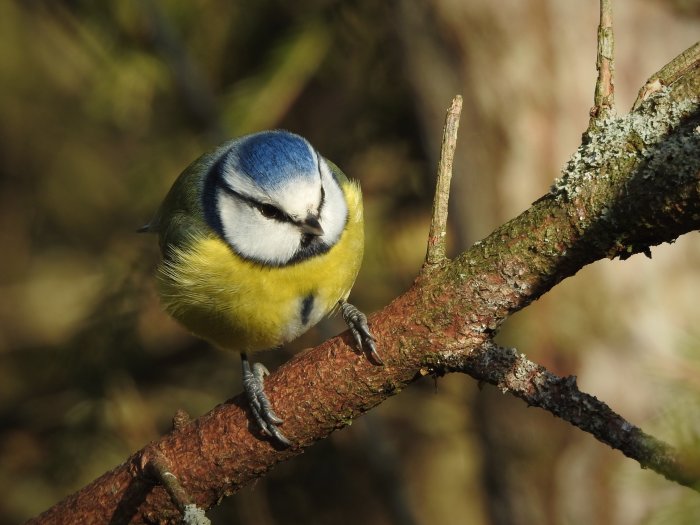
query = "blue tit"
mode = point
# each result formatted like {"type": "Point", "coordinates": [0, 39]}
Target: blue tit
{"type": "Point", "coordinates": [261, 238]}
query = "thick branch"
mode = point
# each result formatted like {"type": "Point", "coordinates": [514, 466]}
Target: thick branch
{"type": "Point", "coordinates": [633, 183]}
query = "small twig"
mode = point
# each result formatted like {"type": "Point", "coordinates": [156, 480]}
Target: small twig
{"type": "Point", "coordinates": [604, 98]}
{"type": "Point", "coordinates": [181, 419]}
{"type": "Point", "coordinates": [157, 466]}
{"type": "Point", "coordinates": [512, 372]}
{"type": "Point", "coordinates": [438, 224]}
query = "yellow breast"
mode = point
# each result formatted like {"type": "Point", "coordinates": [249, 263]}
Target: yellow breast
{"type": "Point", "coordinates": [244, 306]}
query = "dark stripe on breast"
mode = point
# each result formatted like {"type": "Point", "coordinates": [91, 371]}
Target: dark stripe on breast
{"type": "Point", "coordinates": [306, 306]}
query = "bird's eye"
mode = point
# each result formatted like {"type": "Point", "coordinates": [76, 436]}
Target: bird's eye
{"type": "Point", "coordinates": [271, 212]}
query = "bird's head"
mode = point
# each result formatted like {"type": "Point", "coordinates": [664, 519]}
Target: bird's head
{"type": "Point", "coordinates": [274, 199]}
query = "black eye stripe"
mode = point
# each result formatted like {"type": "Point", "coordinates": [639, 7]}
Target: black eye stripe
{"type": "Point", "coordinates": [266, 210]}
{"type": "Point", "coordinates": [272, 212]}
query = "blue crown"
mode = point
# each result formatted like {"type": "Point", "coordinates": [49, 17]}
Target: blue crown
{"type": "Point", "coordinates": [272, 158]}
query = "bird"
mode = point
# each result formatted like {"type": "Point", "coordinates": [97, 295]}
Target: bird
{"type": "Point", "coordinates": [260, 239]}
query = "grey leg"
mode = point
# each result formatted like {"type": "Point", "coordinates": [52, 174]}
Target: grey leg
{"type": "Point", "coordinates": [260, 406]}
{"type": "Point", "coordinates": [357, 322]}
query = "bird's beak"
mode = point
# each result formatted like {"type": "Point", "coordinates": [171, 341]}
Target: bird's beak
{"type": "Point", "coordinates": [312, 226]}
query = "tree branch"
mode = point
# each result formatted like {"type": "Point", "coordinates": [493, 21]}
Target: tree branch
{"type": "Point", "coordinates": [668, 74]}
{"type": "Point", "coordinates": [604, 98]}
{"type": "Point", "coordinates": [514, 373]}
{"type": "Point", "coordinates": [156, 464]}
{"type": "Point", "coordinates": [633, 183]}
{"type": "Point", "coordinates": [437, 237]}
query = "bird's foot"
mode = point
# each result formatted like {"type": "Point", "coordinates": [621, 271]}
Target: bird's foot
{"type": "Point", "coordinates": [259, 404]}
{"type": "Point", "coordinates": [357, 322]}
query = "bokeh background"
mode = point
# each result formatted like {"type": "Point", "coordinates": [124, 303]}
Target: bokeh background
{"type": "Point", "coordinates": [102, 104]}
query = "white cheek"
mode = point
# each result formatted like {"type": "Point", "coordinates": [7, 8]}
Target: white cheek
{"type": "Point", "coordinates": [334, 213]}
{"type": "Point", "coordinates": [256, 237]}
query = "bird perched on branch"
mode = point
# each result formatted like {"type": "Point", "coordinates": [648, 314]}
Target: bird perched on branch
{"type": "Point", "coordinates": [261, 238]}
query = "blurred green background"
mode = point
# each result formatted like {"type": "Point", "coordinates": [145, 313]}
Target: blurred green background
{"type": "Point", "coordinates": [102, 104]}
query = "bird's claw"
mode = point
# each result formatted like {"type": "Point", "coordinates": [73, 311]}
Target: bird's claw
{"type": "Point", "coordinates": [357, 322]}
{"type": "Point", "coordinates": [265, 417]}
